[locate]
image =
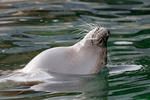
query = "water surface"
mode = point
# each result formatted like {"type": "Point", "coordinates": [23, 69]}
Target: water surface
{"type": "Point", "coordinates": [28, 27]}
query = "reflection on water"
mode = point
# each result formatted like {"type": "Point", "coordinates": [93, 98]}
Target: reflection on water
{"type": "Point", "coordinates": [75, 87]}
{"type": "Point", "coordinates": [28, 27]}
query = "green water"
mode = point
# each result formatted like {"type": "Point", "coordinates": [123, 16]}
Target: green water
{"type": "Point", "coordinates": [28, 27]}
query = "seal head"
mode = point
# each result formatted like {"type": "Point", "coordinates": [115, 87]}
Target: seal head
{"type": "Point", "coordinates": [98, 36]}
{"type": "Point", "coordinates": [96, 42]}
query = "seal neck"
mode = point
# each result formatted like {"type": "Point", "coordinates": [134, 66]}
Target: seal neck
{"type": "Point", "coordinates": [83, 44]}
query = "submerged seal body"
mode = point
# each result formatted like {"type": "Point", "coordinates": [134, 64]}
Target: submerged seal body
{"type": "Point", "coordinates": [87, 56]}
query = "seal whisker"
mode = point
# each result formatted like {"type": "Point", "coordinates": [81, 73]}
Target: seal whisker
{"type": "Point", "coordinates": [84, 29]}
{"type": "Point", "coordinates": [75, 31]}
{"type": "Point", "coordinates": [91, 25]}
{"type": "Point", "coordinates": [81, 36]}
{"type": "Point", "coordinates": [98, 25]}
{"type": "Point", "coordinates": [87, 23]}
{"type": "Point", "coordinates": [79, 31]}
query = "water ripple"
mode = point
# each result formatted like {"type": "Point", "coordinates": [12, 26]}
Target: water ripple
{"type": "Point", "coordinates": [27, 27]}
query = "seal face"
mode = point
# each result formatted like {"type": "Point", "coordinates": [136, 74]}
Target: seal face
{"type": "Point", "coordinates": [98, 36]}
{"type": "Point", "coordinates": [85, 57]}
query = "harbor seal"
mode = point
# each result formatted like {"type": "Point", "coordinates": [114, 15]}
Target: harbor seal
{"type": "Point", "coordinates": [87, 56]}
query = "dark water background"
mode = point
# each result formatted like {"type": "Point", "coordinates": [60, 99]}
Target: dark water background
{"type": "Point", "coordinates": [28, 27]}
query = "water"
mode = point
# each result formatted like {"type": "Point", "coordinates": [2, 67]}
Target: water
{"type": "Point", "coordinates": [28, 27]}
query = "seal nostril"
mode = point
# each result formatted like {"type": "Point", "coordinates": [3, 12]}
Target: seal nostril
{"type": "Point", "coordinates": [108, 32]}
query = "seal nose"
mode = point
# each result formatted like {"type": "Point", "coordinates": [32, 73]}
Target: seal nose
{"type": "Point", "coordinates": [108, 32]}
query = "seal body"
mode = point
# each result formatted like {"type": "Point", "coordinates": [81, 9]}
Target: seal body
{"type": "Point", "coordinates": [87, 56]}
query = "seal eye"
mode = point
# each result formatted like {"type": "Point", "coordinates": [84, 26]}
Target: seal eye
{"type": "Point", "coordinates": [100, 41]}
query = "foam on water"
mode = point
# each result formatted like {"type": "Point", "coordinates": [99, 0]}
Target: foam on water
{"type": "Point", "coordinates": [118, 69]}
